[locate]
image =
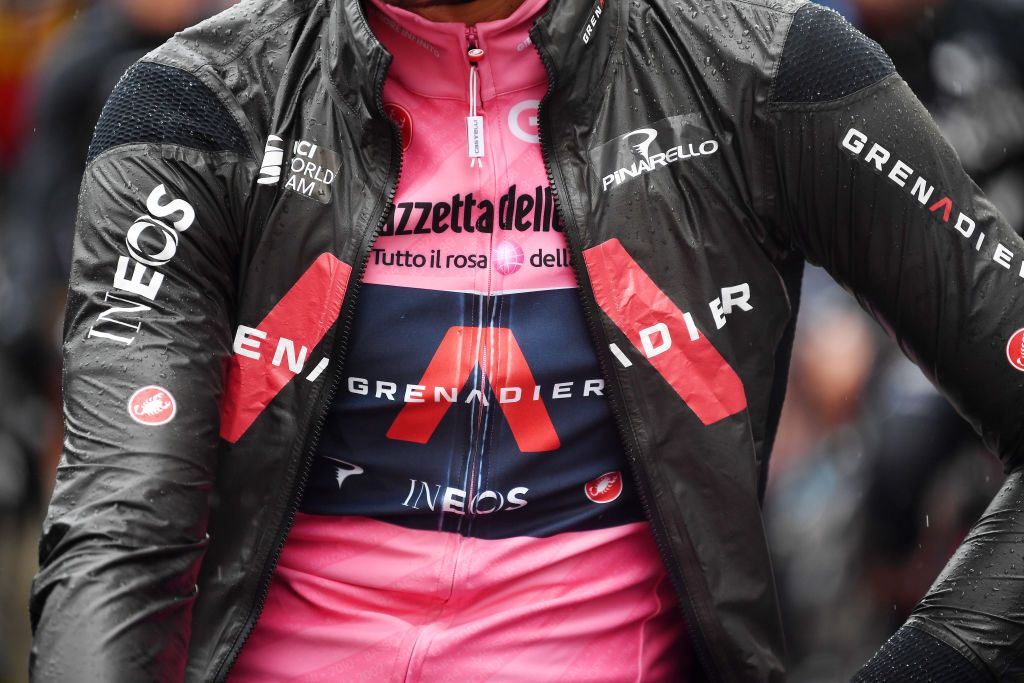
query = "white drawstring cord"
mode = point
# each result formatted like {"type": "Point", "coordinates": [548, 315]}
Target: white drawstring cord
{"type": "Point", "coordinates": [475, 123]}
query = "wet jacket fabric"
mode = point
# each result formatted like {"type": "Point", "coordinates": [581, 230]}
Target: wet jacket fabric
{"type": "Point", "coordinates": [699, 153]}
{"type": "Point", "coordinates": [466, 497]}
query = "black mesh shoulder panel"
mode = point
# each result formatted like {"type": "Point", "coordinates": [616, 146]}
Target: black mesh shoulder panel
{"type": "Point", "coordinates": [913, 656]}
{"type": "Point", "coordinates": [825, 59]}
{"type": "Point", "coordinates": [162, 104]}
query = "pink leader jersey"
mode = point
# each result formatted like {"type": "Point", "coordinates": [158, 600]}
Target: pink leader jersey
{"type": "Point", "coordinates": [469, 515]}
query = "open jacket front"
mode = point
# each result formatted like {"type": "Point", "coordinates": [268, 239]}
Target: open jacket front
{"type": "Point", "coordinates": [700, 153]}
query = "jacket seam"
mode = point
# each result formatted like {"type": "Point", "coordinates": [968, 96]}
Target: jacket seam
{"type": "Point", "coordinates": [618, 50]}
{"type": "Point", "coordinates": [778, 62]}
{"type": "Point", "coordinates": [940, 632]}
{"type": "Point", "coordinates": [332, 88]}
{"type": "Point", "coordinates": [162, 145]}
{"type": "Point", "coordinates": [769, 164]}
{"type": "Point", "coordinates": [247, 44]}
{"type": "Point", "coordinates": [886, 81]}
{"type": "Point", "coordinates": [328, 77]}
{"type": "Point", "coordinates": [763, 6]}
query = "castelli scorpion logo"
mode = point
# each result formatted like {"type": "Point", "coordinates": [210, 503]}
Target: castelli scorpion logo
{"type": "Point", "coordinates": [152, 406]}
{"type": "Point", "coordinates": [1015, 350]}
{"type": "Point", "coordinates": [605, 488]}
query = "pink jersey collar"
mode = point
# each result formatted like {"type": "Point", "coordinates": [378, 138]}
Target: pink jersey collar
{"type": "Point", "coordinates": [430, 57]}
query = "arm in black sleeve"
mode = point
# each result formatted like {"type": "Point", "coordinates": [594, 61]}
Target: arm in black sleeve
{"type": "Point", "coordinates": [146, 338]}
{"type": "Point", "coordinates": [870, 190]}
{"type": "Point", "coordinates": [974, 608]}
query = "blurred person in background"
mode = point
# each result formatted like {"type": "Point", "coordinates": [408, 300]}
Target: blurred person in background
{"type": "Point", "coordinates": [49, 113]}
{"type": "Point", "coordinates": [975, 74]}
{"type": "Point", "coordinates": [26, 28]}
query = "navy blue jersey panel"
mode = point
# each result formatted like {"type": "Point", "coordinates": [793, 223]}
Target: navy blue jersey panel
{"type": "Point", "coordinates": [470, 474]}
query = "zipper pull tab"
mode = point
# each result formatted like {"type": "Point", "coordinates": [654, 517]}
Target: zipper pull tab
{"type": "Point", "coordinates": [475, 123]}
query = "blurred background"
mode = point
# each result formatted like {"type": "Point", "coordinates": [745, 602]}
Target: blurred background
{"type": "Point", "coordinates": [874, 480]}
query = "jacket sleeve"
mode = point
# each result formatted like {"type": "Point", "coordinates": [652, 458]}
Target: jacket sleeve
{"type": "Point", "coordinates": [145, 341]}
{"type": "Point", "coordinates": [869, 189]}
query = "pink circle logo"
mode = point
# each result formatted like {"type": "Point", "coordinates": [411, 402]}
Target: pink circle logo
{"type": "Point", "coordinates": [152, 406]}
{"type": "Point", "coordinates": [1015, 350]}
{"type": "Point", "coordinates": [522, 121]}
{"type": "Point", "coordinates": [605, 488]}
{"type": "Point", "coordinates": [508, 257]}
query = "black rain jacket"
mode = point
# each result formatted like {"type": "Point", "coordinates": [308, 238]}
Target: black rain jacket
{"type": "Point", "coordinates": [701, 151]}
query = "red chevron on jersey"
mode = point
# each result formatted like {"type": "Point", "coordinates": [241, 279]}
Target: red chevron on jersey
{"type": "Point", "coordinates": [694, 368]}
{"type": "Point", "coordinates": [511, 381]}
{"type": "Point", "coordinates": [292, 328]}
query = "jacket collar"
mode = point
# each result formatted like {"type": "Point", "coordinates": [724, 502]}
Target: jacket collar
{"type": "Point", "coordinates": [430, 57]}
{"type": "Point", "coordinates": [357, 62]}
{"type": "Point", "coordinates": [580, 39]}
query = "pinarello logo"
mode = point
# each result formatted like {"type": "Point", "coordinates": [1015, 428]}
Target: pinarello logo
{"type": "Point", "coordinates": [605, 488]}
{"type": "Point", "coordinates": [152, 406]}
{"type": "Point", "coordinates": [403, 119]}
{"type": "Point", "coordinates": [1015, 350]}
{"type": "Point", "coordinates": [508, 257]}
